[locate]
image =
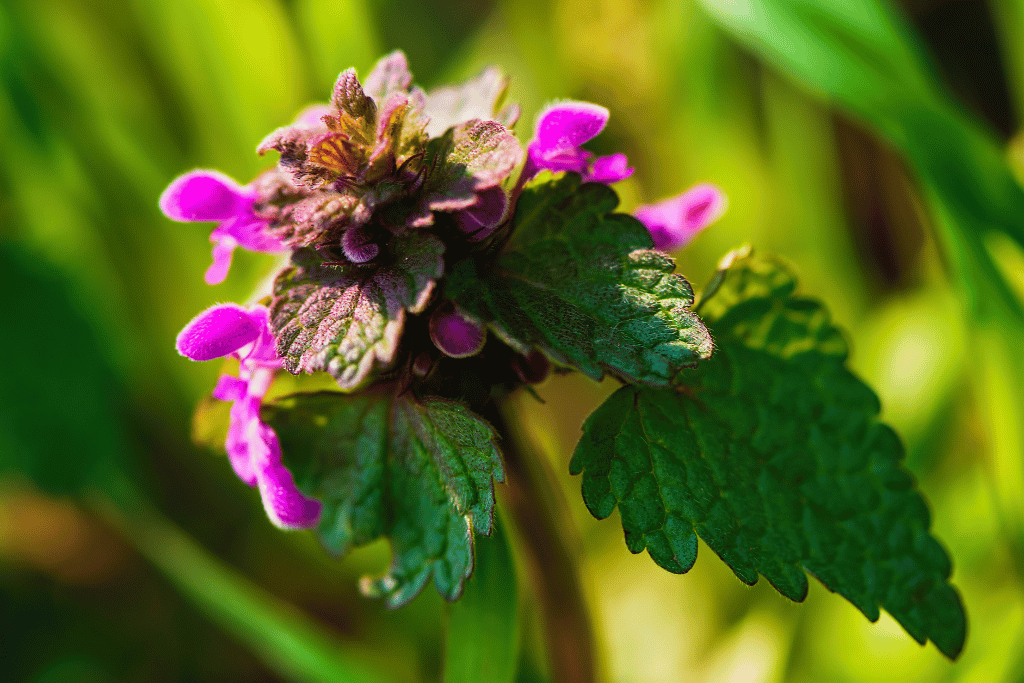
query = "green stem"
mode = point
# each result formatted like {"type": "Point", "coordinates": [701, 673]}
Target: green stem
{"type": "Point", "coordinates": [537, 510]}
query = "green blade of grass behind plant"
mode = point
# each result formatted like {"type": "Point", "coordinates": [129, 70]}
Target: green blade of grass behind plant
{"type": "Point", "coordinates": [860, 56]}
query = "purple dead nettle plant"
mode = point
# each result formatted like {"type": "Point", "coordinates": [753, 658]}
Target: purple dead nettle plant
{"type": "Point", "coordinates": [383, 165]}
{"type": "Point", "coordinates": [437, 264]}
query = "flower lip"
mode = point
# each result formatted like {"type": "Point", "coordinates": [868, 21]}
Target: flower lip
{"type": "Point", "coordinates": [675, 221]}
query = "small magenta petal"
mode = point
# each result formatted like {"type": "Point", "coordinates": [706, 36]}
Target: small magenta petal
{"type": "Point", "coordinates": [608, 169]}
{"type": "Point", "coordinates": [216, 332]}
{"type": "Point", "coordinates": [455, 334]}
{"type": "Point", "coordinates": [203, 195]}
{"type": "Point", "coordinates": [567, 125]}
{"type": "Point", "coordinates": [249, 232]}
{"type": "Point", "coordinates": [675, 221]}
{"type": "Point", "coordinates": [223, 249]}
{"type": "Point", "coordinates": [286, 506]}
{"type": "Point", "coordinates": [244, 413]}
{"type": "Point", "coordinates": [229, 388]}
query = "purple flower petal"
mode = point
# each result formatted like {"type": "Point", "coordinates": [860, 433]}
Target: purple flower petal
{"type": "Point", "coordinates": [565, 126]}
{"type": "Point", "coordinates": [203, 195]}
{"type": "Point", "coordinates": [284, 503]}
{"type": "Point", "coordinates": [249, 232]}
{"type": "Point", "coordinates": [454, 334]}
{"type": "Point", "coordinates": [216, 332]}
{"type": "Point", "coordinates": [244, 412]}
{"type": "Point", "coordinates": [223, 249]}
{"type": "Point", "coordinates": [608, 169]}
{"type": "Point", "coordinates": [675, 221]}
{"type": "Point", "coordinates": [230, 388]}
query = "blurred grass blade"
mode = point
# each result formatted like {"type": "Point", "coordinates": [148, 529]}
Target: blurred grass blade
{"type": "Point", "coordinates": [482, 642]}
{"type": "Point", "coordinates": [288, 641]}
{"type": "Point", "coordinates": [860, 55]}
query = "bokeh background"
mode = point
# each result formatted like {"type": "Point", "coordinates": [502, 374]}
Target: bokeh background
{"type": "Point", "coordinates": [874, 145]}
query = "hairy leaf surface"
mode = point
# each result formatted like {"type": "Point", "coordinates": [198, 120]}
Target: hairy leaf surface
{"type": "Point", "coordinates": [584, 285]}
{"type": "Point", "coordinates": [420, 473]}
{"type": "Point", "coordinates": [772, 453]}
{"type": "Point", "coordinates": [346, 318]}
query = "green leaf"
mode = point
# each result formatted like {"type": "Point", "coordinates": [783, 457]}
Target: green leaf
{"type": "Point", "coordinates": [466, 159]}
{"type": "Point", "coordinates": [864, 57]}
{"type": "Point", "coordinates": [420, 473]}
{"type": "Point", "coordinates": [482, 642]}
{"type": "Point", "coordinates": [346, 319]}
{"type": "Point", "coordinates": [772, 453]}
{"type": "Point", "coordinates": [584, 285]}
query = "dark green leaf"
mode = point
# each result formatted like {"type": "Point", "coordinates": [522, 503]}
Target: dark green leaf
{"type": "Point", "coordinates": [346, 319]}
{"type": "Point", "coordinates": [772, 453]}
{"type": "Point", "coordinates": [584, 285]}
{"type": "Point", "coordinates": [482, 641]}
{"type": "Point", "coordinates": [418, 472]}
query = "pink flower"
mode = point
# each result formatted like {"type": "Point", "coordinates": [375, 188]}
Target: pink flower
{"type": "Point", "coordinates": [252, 446]}
{"type": "Point", "coordinates": [675, 221]}
{"type": "Point", "coordinates": [204, 195]}
{"type": "Point", "coordinates": [560, 131]}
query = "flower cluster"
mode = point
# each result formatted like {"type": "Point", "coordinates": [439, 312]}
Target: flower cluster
{"type": "Point", "coordinates": [375, 195]}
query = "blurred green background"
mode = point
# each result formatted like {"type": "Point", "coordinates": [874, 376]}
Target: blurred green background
{"type": "Point", "coordinates": [873, 145]}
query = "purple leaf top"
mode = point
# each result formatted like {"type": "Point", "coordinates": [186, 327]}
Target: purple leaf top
{"type": "Point", "coordinates": [252, 446]}
{"type": "Point", "coordinates": [204, 195]}
{"type": "Point", "coordinates": [559, 134]}
{"type": "Point", "coordinates": [477, 98]}
{"type": "Point", "coordinates": [675, 221]}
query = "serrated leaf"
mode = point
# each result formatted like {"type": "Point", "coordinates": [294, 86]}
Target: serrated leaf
{"type": "Point", "coordinates": [584, 285]}
{"type": "Point", "coordinates": [467, 159]}
{"type": "Point", "coordinates": [772, 453]}
{"type": "Point", "coordinates": [347, 318]}
{"type": "Point", "coordinates": [420, 473]}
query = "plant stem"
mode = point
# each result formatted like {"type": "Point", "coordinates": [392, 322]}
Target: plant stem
{"type": "Point", "coordinates": [537, 509]}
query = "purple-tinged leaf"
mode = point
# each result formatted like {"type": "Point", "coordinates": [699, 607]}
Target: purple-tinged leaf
{"type": "Point", "coordinates": [347, 319]}
{"type": "Point", "coordinates": [390, 74]}
{"type": "Point", "coordinates": [467, 160]}
{"type": "Point", "coordinates": [477, 98]}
